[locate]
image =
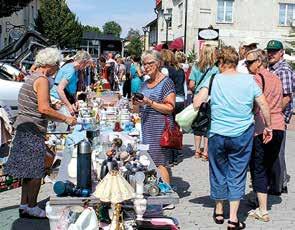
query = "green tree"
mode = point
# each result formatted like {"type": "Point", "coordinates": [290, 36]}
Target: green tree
{"type": "Point", "coordinates": [132, 33]}
{"type": "Point", "coordinates": [56, 22]}
{"type": "Point", "coordinates": [87, 28]}
{"type": "Point", "coordinates": [135, 46]}
{"type": "Point", "coordinates": [112, 27]}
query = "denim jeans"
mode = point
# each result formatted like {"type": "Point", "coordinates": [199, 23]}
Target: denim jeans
{"type": "Point", "coordinates": [228, 162]}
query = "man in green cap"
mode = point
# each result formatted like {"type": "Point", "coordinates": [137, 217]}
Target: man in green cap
{"type": "Point", "coordinates": [283, 70]}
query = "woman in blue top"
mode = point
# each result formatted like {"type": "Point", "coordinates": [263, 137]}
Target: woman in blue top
{"type": "Point", "coordinates": [231, 133]}
{"type": "Point", "coordinates": [201, 72]}
{"type": "Point", "coordinates": [136, 74]}
{"type": "Point", "coordinates": [65, 83]}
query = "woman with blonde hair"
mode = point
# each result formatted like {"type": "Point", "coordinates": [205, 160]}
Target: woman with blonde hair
{"type": "Point", "coordinates": [231, 133]}
{"type": "Point", "coordinates": [201, 72]}
{"type": "Point", "coordinates": [176, 74]}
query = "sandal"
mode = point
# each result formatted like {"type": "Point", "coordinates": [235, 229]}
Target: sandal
{"type": "Point", "coordinates": [198, 154]}
{"type": "Point", "coordinates": [204, 157]}
{"type": "Point", "coordinates": [237, 225]}
{"type": "Point", "coordinates": [259, 215]}
{"type": "Point", "coordinates": [218, 221]}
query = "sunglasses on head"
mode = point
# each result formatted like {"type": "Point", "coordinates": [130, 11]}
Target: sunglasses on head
{"type": "Point", "coordinates": [250, 62]}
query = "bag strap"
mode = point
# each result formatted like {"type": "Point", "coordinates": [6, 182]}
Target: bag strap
{"type": "Point", "coordinates": [210, 83]}
{"type": "Point", "coordinates": [263, 82]}
{"type": "Point", "coordinates": [202, 78]}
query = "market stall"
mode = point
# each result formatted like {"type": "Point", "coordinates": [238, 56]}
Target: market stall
{"type": "Point", "coordinates": [104, 166]}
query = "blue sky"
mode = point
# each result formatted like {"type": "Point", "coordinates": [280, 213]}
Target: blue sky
{"type": "Point", "coordinates": [128, 13]}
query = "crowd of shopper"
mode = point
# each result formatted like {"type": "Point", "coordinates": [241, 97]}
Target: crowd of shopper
{"type": "Point", "coordinates": [251, 105]}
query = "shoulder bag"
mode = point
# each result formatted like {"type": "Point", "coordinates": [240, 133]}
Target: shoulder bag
{"type": "Point", "coordinates": [203, 118]}
{"type": "Point", "coordinates": [171, 138]}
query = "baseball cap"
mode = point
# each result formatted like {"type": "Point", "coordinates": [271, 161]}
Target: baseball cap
{"type": "Point", "coordinates": [274, 45]}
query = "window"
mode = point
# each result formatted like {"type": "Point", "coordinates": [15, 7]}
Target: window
{"type": "Point", "coordinates": [225, 11]}
{"type": "Point", "coordinates": [286, 14]}
{"type": "Point", "coordinates": [180, 11]}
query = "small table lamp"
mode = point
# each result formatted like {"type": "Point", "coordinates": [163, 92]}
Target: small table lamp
{"type": "Point", "coordinates": [114, 189]}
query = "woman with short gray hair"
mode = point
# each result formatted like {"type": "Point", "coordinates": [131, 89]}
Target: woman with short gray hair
{"type": "Point", "coordinates": [26, 160]}
{"type": "Point", "coordinates": [157, 105]}
{"type": "Point", "coordinates": [264, 154]}
{"type": "Point", "coordinates": [65, 84]}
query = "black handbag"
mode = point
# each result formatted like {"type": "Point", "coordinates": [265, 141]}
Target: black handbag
{"type": "Point", "coordinates": [203, 118]}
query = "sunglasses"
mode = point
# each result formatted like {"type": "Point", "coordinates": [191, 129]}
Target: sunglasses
{"type": "Point", "coordinates": [250, 62]}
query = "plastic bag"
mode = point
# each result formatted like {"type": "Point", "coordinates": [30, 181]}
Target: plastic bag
{"type": "Point", "coordinates": [186, 117]}
{"type": "Point", "coordinates": [86, 221]}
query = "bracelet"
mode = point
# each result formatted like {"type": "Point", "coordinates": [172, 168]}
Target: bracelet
{"type": "Point", "coordinates": [268, 129]}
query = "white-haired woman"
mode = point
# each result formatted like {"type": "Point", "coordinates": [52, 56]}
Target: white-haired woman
{"type": "Point", "coordinates": [66, 81]}
{"type": "Point", "coordinates": [26, 160]}
{"type": "Point", "coordinates": [158, 103]}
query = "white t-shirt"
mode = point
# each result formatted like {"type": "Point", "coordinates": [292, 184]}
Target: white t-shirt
{"type": "Point", "coordinates": [242, 68]}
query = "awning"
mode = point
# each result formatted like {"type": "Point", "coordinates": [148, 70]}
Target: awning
{"type": "Point", "coordinates": [158, 47]}
{"type": "Point", "coordinates": [176, 44]}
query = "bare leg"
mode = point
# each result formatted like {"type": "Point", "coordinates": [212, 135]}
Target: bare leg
{"type": "Point", "coordinates": [233, 211]}
{"type": "Point", "coordinates": [164, 173]}
{"type": "Point", "coordinates": [34, 187]}
{"type": "Point", "coordinates": [25, 192]}
{"type": "Point", "coordinates": [262, 198]}
{"type": "Point", "coordinates": [219, 208]}
{"type": "Point", "coordinates": [205, 152]}
{"type": "Point", "coordinates": [198, 140]}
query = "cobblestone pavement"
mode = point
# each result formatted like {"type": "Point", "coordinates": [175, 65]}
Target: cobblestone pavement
{"type": "Point", "coordinates": [195, 208]}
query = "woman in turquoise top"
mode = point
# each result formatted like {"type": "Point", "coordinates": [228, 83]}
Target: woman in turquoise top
{"type": "Point", "coordinates": [231, 133]}
{"type": "Point", "coordinates": [201, 72]}
{"type": "Point", "coordinates": [136, 74]}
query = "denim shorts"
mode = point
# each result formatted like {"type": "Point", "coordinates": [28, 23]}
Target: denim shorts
{"type": "Point", "coordinates": [228, 162]}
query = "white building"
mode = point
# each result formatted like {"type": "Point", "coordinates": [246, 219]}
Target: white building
{"type": "Point", "coordinates": [236, 20]}
{"type": "Point", "coordinates": [12, 27]}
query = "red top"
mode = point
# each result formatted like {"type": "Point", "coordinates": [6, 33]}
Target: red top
{"type": "Point", "coordinates": [274, 95]}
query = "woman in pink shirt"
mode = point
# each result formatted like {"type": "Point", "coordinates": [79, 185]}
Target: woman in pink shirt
{"type": "Point", "coordinates": [264, 155]}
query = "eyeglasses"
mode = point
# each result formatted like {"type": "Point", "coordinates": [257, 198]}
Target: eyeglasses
{"type": "Point", "coordinates": [149, 63]}
{"type": "Point", "coordinates": [250, 62]}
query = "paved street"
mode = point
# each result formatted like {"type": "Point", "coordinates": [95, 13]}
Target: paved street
{"type": "Point", "coordinates": [195, 209]}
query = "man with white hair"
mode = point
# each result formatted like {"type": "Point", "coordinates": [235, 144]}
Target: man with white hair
{"type": "Point", "coordinates": [246, 46]}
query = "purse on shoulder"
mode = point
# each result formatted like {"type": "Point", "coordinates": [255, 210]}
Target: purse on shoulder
{"type": "Point", "coordinates": [171, 137]}
{"type": "Point", "coordinates": [203, 118]}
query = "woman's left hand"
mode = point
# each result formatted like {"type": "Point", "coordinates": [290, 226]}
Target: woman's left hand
{"type": "Point", "coordinates": [267, 135]}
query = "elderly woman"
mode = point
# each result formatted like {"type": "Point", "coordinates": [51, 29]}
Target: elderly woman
{"type": "Point", "coordinates": [65, 83]}
{"type": "Point", "coordinates": [157, 104]}
{"type": "Point", "coordinates": [265, 154]}
{"type": "Point", "coordinates": [26, 160]}
{"type": "Point", "coordinates": [231, 133]}
{"type": "Point", "coordinates": [202, 71]}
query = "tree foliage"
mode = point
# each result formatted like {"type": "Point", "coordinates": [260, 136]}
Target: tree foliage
{"type": "Point", "coordinates": [88, 28]}
{"type": "Point", "coordinates": [56, 22]}
{"type": "Point", "coordinates": [113, 28]}
{"type": "Point", "coordinates": [132, 33]}
{"type": "Point", "coordinates": [135, 46]}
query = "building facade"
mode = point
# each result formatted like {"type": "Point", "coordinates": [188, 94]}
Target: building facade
{"type": "Point", "coordinates": [236, 20]}
{"type": "Point", "coordinates": [11, 28]}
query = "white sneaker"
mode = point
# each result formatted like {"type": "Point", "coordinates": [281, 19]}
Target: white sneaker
{"type": "Point", "coordinates": [36, 212]}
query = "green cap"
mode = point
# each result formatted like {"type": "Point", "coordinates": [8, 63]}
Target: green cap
{"type": "Point", "coordinates": [274, 45]}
